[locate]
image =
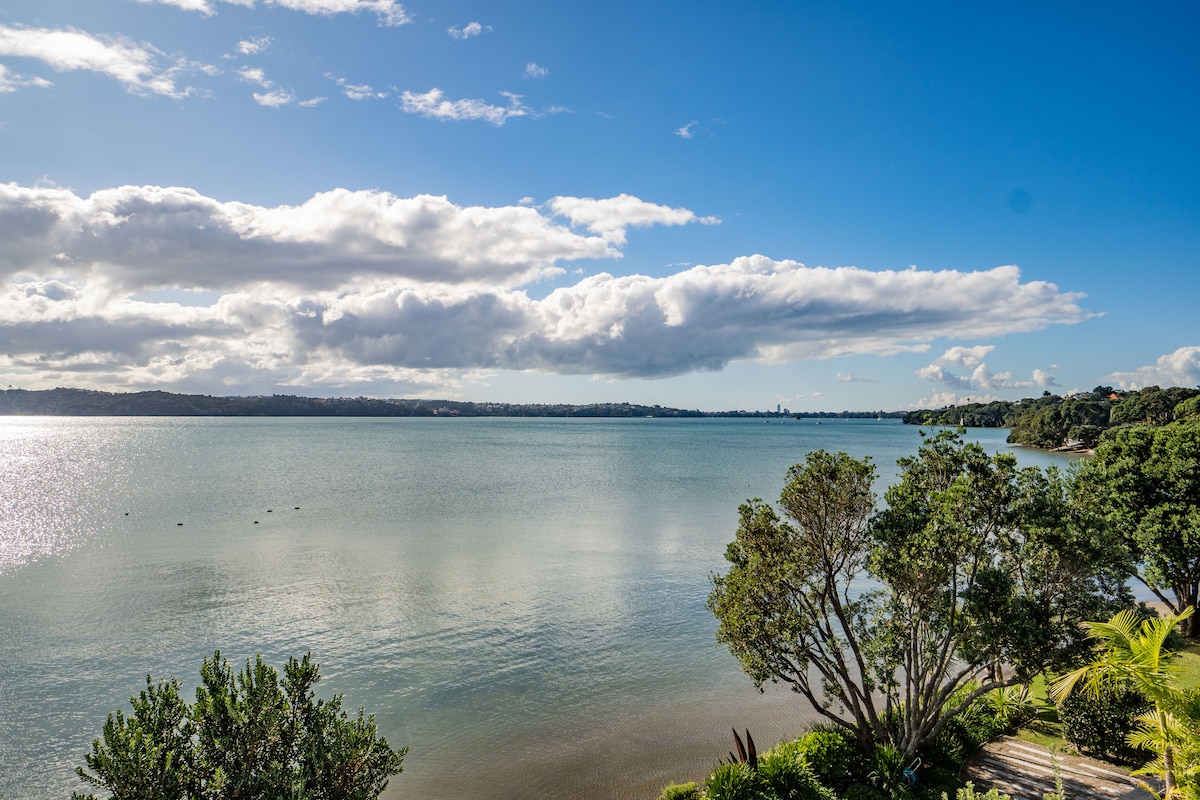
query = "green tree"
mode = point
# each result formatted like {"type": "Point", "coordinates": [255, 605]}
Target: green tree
{"type": "Point", "coordinates": [1146, 481]}
{"type": "Point", "coordinates": [983, 573]}
{"type": "Point", "coordinates": [1131, 653]}
{"type": "Point", "coordinates": [249, 735]}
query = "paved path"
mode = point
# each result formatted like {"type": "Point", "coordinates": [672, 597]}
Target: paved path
{"type": "Point", "coordinates": [1026, 772]}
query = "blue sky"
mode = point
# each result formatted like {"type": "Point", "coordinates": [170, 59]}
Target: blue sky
{"type": "Point", "coordinates": [697, 204]}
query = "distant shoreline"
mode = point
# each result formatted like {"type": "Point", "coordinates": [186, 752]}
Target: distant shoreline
{"type": "Point", "coordinates": [90, 403]}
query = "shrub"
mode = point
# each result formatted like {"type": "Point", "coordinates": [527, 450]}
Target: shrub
{"type": "Point", "coordinates": [735, 782]}
{"type": "Point", "coordinates": [680, 791]}
{"type": "Point", "coordinates": [863, 791]}
{"type": "Point", "coordinates": [1100, 723]}
{"type": "Point", "coordinates": [832, 753]}
{"type": "Point", "coordinates": [968, 793]}
{"type": "Point", "coordinates": [249, 735]}
{"type": "Point", "coordinates": [786, 774]}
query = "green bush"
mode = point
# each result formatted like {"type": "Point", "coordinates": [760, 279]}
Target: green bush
{"type": "Point", "coordinates": [863, 791]}
{"type": "Point", "coordinates": [680, 791]}
{"type": "Point", "coordinates": [249, 735]}
{"type": "Point", "coordinates": [1100, 723]}
{"type": "Point", "coordinates": [968, 793]}
{"type": "Point", "coordinates": [735, 782]}
{"type": "Point", "coordinates": [787, 776]}
{"type": "Point", "coordinates": [936, 781]}
{"type": "Point", "coordinates": [832, 753]}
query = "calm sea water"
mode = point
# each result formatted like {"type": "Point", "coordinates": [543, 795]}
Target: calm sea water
{"type": "Point", "coordinates": [519, 601]}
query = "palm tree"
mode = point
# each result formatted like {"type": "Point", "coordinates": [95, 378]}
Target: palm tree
{"type": "Point", "coordinates": [1131, 652]}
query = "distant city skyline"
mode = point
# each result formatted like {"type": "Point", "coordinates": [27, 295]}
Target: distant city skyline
{"type": "Point", "coordinates": [696, 205]}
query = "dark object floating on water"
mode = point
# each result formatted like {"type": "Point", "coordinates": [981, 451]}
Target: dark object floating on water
{"type": "Point", "coordinates": [297, 508]}
{"type": "Point", "coordinates": [180, 524]}
{"type": "Point", "coordinates": [269, 510]}
{"type": "Point", "coordinates": [255, 522]}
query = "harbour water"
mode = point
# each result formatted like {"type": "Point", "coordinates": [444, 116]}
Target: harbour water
{"type": "Point", "coordinates": [520, 601]}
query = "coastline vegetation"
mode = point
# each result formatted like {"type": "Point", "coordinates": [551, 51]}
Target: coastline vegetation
{"type": "Point", "coordinates": [249, 735]}
{"type": "Point", "coordinates": [1073, 422]}
{"type": "Point", "coordinates": [925, 629]}
{"type": "Point", "coordinates": [89, 402]}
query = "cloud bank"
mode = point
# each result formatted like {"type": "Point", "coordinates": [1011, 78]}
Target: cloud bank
{"type": "Point", "coordinates": [1180, 368]}
{"type": "Point", "coordinates": [980, 376]}
{"type": "Point", "coordinates": [351, 287]}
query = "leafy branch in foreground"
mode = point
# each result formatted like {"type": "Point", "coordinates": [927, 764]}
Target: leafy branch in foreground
{"type": "Point", "coordinates": [249, 735]}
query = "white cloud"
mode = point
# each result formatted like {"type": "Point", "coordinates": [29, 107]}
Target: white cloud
{"type": "Point", "coordinates": [1180, 368]}
{"type": "Point", "coordinates": [389, 12]}
{"type": "Point", "coordinates": [611, 216]}
{"type": "Point", "coordinates": [965, 356]}
{"type": "Point", "coordinates": [687, 131]}
{"type": "Point", "coordinates": [144, 237]}
{"type": "Point", "coordinates": [350, 287]}
{"type": "Point", "coordinates": [356, 91]}
{"type": "Point", "coordinates": [468, 30]}
{"type": "Point", "coordinates": [254, 45]}
{"type": "Point", "coordinates": [850, 377]}
{"type": "Point", "coordinates": [134, 65]}
{"type": "Point", "coordinates": [434, 105]}
{"type": "Point", "coordinates": [981, 377]}
{"type": "Point", "coordinates": [255, 75]}
{"type": "Point", "coordinates": [532, 70]}
{"type": "Point", "coordinates": [274, 98]}
{"type": "Point", "coordinates": [11, 81]}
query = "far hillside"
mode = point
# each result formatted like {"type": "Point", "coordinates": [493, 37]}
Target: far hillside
{"type": "Point", "coordinates": [1073, 422]}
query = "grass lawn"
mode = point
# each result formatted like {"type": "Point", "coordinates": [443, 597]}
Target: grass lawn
{"type": "Point", "coordinates": [1189, 666]}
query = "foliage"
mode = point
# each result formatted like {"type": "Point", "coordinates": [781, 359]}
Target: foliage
{"type": "Point", "coordinates": [1101, 723]}
{"type": "Point", "coordinates": [968, 793]}
{"type": "Point", "coordinates": [1146, 482]}
{"type": "Point", "coordinates": [832, 754]}
{"type": "Point", "coordinates": [735, 782]}
{"type": "Point", "coordinates": [978, 564]}
{"type": "Point", "coordinates": [681, 791]}
{"type": "Point", "coordinates": [787, 775]}
{"type": "Point", "coordinates": [249, 735]}
{"type": "Point", "coordinates": [1131, 653]}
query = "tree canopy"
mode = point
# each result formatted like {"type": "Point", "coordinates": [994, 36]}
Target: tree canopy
{"type": "Point", "coordinates": [975, 576]}
{"type": "Point", "coordinates": [249, 735]}
{"type": "Point", "coordinates": [1146, 481]}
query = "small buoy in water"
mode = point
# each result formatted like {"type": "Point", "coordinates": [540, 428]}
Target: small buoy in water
{"type": "Point", "coordinates": [127, 513]}
{"type": "Point", "coordinates": [255, 522]}
{"type": "Point", "coordinates": [269, 510]}
{"type": "Point", "coordinates": [180, 524]}
{"type": "Point", "coordinates": [297, 508]}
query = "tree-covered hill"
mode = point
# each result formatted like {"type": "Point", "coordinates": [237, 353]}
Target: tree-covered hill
{"type": "Point", "coordinates": [1074, 421]}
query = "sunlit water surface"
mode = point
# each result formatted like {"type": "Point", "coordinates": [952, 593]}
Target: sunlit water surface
{"type": "Point", "coordinates": [522, 602]}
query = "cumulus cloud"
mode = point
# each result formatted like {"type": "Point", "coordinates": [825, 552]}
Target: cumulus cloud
{"type": "Point", "coordinates": [1180, 368]}
{"type": "Point", "coordinates": [350, 287]}
{"type": "Point", "coordinates": [687, 131]}
{"type": "Point", "coordinates": [468, 30]}
{"type": "Point", "coordinates": [981, 377]}
{"type": "Point", "coordinates": [532, 70]}
{"type": "Point", "coordinates": [850, 377]}
{"type": "Point", "coordinates": [136, 66]}
{"type": "Point", "coordinates": [145, 237]}
{"type": "Point", "coordinates": [389, 12]}
{"type": "Point", "coordinates": [435, 105]}
{"type": "Point", "coordinates": [610, 217]}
